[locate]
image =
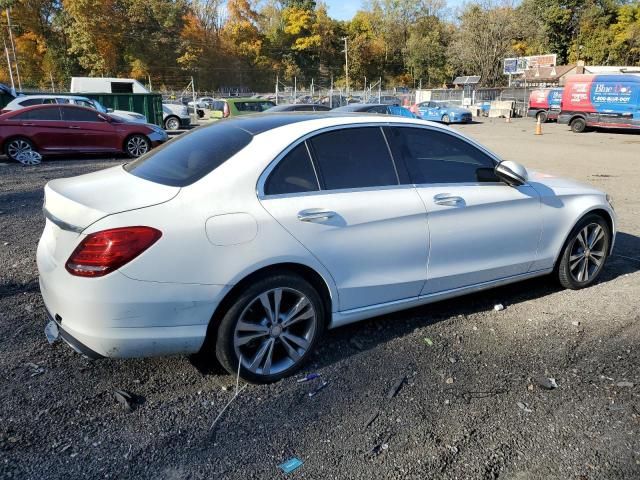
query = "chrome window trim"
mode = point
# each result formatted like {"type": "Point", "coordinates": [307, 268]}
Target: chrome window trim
{"type": "Point", "coordinates": [269, 168]}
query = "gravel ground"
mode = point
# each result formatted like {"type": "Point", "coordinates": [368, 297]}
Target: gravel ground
{"type": "Point", "coordinates": [471, 406]}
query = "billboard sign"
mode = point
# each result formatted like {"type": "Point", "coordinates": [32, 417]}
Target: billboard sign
{"type": "Point", "coordinates": [517, 65]}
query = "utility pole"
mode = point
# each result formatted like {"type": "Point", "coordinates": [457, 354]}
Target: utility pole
{"type": "Point", "coordinates": [195, 107]}
{"type": "Point", "coordinates": [53, 87]}
{"type": "Point", "coordinates": [346, 64]}
{"type": "Point", "coordinates": [277, 82]}
{"type": "Point", "coordinates": [13, 47]}
{"type": "Point", "coordinates": [6, 50]}
{"type": "Point", "coordinates": [295, 90]}
{"type": "Point", "coordinates": [331, 94]}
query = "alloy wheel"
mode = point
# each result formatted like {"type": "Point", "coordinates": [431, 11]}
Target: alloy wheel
{"type": "Point", "coordinates": [275, 331]}
{"type": "Point", "coordinates": [587, 253]}
{"type": "Point", "coordinates": [173, 124]}
{"type": "Point", "coordinates": [137, 146]}
{"type": "Point", "coordinates": [29, 158]}
{"type": "Point", "coordinates": [18, 147]}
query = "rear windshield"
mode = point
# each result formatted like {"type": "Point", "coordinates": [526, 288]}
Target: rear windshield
{"type": "Point", "coordinates": [190, 157]}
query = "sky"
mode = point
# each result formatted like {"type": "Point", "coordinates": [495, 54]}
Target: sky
{"type": "Point", "coordinates": [346, 9]}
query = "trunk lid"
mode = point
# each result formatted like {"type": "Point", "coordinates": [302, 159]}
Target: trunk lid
{"type": "Point", "coordinates": [75, 203]}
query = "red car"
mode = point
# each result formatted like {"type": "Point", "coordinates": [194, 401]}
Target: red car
{"type": "Point", "coordinates": [64, 129]}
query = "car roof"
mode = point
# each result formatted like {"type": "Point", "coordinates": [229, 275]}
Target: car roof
{"type": "Point", "coordinates": [26, 97]}
{"type": "Point", "coordinates": [359, 107]}
{"type": "Point", "coordinates": [48, 105]}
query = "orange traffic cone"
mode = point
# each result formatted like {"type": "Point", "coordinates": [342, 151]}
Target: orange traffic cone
{"type": "Point", "coordinates": [538, 127]}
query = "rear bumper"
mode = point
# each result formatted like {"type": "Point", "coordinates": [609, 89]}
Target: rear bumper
{"type": "Point", "coordinates": [185, 122]}
{"type": "Point", "coordinates": [116, 316]}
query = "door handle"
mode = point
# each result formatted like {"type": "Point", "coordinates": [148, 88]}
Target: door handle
{"type": "Point", "coordinates": [28, 124]}
{"type": "Point", "coordinates": [315, 215]}
{"type": "Point", "coordinates": [75, 127]}
{"type": "Point", "coordinates": [448, 199]}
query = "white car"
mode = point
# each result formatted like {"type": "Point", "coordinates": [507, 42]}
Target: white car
{"type": "Point", "coordinates": [246, 238]}
{"type": "Point", "coordinates": [202, 102]}
{"type": "Point", "coordinates": [29, 100]}
{"type": "Point", "coordinates": [175, 116]}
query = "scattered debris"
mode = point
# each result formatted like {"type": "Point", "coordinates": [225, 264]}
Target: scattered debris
{"type": "Point", "coordinates": [372, 419]}
{"type": "Point", "coordinates": [524, 407]}
{"type": "Point", "coordinates": [452, 359]}
{"type": "Point", "coordinates": [124, 398]}
{"type": "Point", "coordinates": [35, 369]}
{"type": "Point", "coordinates": [126, 456]}
{"type": "Point", "coordinates": [498, 307]}
{"type": "Point", "coordinates": [380, 447]}
{"type": "Point", "coordinates": [318, 389]}
{"type": "Point", "coordinates": [624, 384]}
{"type": "Point", "coordinates": [547, 383]}
{"type": "Point", "coordinates": [290, 465]}
{"type": "Point", "coordinates": [449, 381]}
{"type": "Point", "coordinates": [311, 376]}
{"type": "Point", "coordinates": [395, 388]}
{"type": "Point", "coordinates": [52, 332]}
{"type": "Point", "coordinates": [65, 448]}
{"type": "Point", "coordinates": [575, 324]}
{"type": "Point", "coordinates": [356, 343]}
{"type": "Point", "coordinates": [428, 341]}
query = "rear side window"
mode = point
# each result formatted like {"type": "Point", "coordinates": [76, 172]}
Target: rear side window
{"type": "Point", "coordinates": [31, 101]}
{"type": "Point", "coordinates": [437, 157]}
{"type": "Point", "coordinates": [253, 106]}
{"type": "Point", "coordinates": [50, 114]}
{"type": "Point", "coordinates": [353, 158]}
{"type": "Point", "coordinates": [183, 161]}
{"type": "Point", "coordinates": [293, 174]}
{"type": "Point", "coordinates": [71, 114]}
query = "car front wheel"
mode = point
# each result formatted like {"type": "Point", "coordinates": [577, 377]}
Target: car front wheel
{"type": "Point", "coordinates": [585, 253]}
{"type": "Point", "coordinates": [172, 123]}
{"type": "Point", "coordinates": [17, 147]}
{"type": "Point", "coordinates": [271, 328]}
{"type": "Point", "coordinates": [137, 145]}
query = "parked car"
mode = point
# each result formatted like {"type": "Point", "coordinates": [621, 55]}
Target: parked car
{"type": "Point", "coordinates": [30, 100]}
{"type": "Point", "coordinates": [376, 108]}
{"type": "Point", "coordinates": [175, 116]}
{"type": "Point", "coordinates": [299, 107]}
{"type": "Point", "coordinates": [544, 104]}
{"type": "Point", "coordinates": [386, 99]}
{"type": "Point", "coordinates": [603, 101]}
{"type": "Point", "coordinates": [63, 129]}
{"type": "Point", "coordinates": [317, 221]}
{"type": "Point", "coordinates": [231, 107]}
{"type": "Point", "coordinates": [202, 102]}
{"type": "Point", "coordinates": [444, 112]}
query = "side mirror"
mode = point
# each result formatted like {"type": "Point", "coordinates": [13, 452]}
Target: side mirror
{"type": "Point", "coordinates": [104, 118]}
{"type": "Point", "coordinates": [511, 173]}
{"type": "Point", "coordinates": [109, 110]}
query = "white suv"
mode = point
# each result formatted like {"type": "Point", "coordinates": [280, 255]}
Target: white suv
{"type": "Point", "coordinates": [30, 100]}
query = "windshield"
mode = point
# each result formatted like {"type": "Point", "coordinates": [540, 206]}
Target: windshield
{"type": "Point", "coordinates": [99, 106]}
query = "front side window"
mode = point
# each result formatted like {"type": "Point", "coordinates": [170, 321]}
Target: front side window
{"type": "Point", "coordinates": [353, 158]}
{"type": "Point", "coordinates": [48, 114]}
{"type": "Point", "coordinates": [293, 174]}
{"type": "Point", "coordinates": [437, 157]}
{"type": "Point", "coordinates": [71, 114]}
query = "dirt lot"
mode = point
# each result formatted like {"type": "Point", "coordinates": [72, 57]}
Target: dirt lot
{"type": "Point", "coordinates": [471, 406]}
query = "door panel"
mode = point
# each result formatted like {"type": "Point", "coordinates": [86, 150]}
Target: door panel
{"type": "Point", "coordinates": [479, 233]}
{"type": "Point", "coordinates": [373, 242]}
{"type": "Point", "coordinates": [87, 132]}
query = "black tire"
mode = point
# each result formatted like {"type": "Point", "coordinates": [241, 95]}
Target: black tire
{"type": "Point", "coordinates": [445, 119]}
{"type": "Point", "coordinates": [172, 123]}
{"type": "Point", "coordinates": [578, 125]}
{"type": "Point", "coordinates": [136, 145]}
{"type": "Point", "coordinates": [225, 350]}
{"type": "Point", "coordinates": [541, 117]}
{"type": "Point", "coordinates": [567, 277]}
{"type": "Point", "coordinates": [15, 145]}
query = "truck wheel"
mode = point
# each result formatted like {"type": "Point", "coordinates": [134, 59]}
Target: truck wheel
{"type": "Point", "coordinates": [578, 125]}
{"type": "Point", "coordinates": [541, 117]}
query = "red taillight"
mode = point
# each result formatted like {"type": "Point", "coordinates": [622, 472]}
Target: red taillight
{"type": "Point", "coordinates": [103, 252]}
{"type": "Point", "coordinates": [225, 110]}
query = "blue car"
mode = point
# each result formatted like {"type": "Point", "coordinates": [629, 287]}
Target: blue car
{"type": "Point", "coordinates": [377, 108]}
{"type": "Point", "coordinates": [443, 112]}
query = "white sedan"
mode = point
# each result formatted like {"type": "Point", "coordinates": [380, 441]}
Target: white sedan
{"type": "Point", "coordinates": [246, 238]}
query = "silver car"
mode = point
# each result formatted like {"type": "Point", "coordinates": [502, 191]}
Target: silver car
{"type": "Point", "coordinates": [245, 239]}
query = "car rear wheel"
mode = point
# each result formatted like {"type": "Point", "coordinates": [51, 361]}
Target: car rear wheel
{"type": "Point", "coordinates": [445, 119]}
{"type": "Point", "coordinates": [541, 117]}
{"type": "Point", "coordinates": [271, 328]}
{"type": "Point", "coordinates": [578, 125]}
{"type": "Point", "coordinates": [172, 123]}
{"type": "Point", "coordinates": [585, 253]}
{"type": "Point", "coordinates": [137, 145]}
{"type": "Point", "coordinates": [16, 148]}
